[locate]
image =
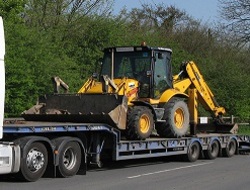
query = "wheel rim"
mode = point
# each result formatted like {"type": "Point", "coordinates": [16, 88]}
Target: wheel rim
{"type": "Point", "coordinates": [144, 123]}
{"type": "Point", "coordinates": [194, 150]}
{"type": "Point", "coordinates": [179, 118]}
{"type": "Point", "coordinates": [69, 159]}
{"type": "Point", "coordinates": [215, 148]}
{"type": "Point", "coordinates": [232, 147]}
{"type": "Point", "coordinates": [35, 160]}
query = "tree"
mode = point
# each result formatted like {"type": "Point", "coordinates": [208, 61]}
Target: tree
{"type": "Point", "coordinates": [48, 38]}
{"type": "Point", "coordinates": [237, 15]}
{"type": "Point", "coordinates": [49, 14]}
{"type": "Point", "coordinates": [11, 9]}
{"type": "Point", "coordinates": [156, 17]}
{"type": "Point", "coordinates": [47, 41]}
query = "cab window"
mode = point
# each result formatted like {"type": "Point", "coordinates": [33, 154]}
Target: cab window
{"type": "Point", "coordinates": [163, 73]}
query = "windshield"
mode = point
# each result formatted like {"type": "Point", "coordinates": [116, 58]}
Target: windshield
{"type": "Point", "coordinates": [127, 64]}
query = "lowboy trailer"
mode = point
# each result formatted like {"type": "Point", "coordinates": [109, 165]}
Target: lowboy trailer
{"type": "Point", "coordinates": [63, 133]}
{"type": "Point", "coordinates": [65, 149]}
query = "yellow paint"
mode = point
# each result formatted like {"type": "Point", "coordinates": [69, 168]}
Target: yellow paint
{"type": "Point", "coordinates": [165, 97]}
{"type": "Point", "coordinates": [144, 123]}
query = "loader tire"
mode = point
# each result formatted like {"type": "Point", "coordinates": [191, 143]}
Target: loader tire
{"type": "Point", "coordinates": [140, 123]}
{"type": "Point", "coordinates": [177, 119]}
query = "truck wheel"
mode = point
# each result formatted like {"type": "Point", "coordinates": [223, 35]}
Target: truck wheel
{"type": "Point", "coordinates": [193, 152]}
{"type": "Point", "coordinates": [69, 159]}
{"type": "Point", "coordinates": [140, 123]}
{"type": "Point", "coordinates": [177, 119]}
{"type": "Point", "coordinates": [230, 149]}
{"type": "Point", "coordinates": [34, 162]}
{"type": "Point", "coordinates": [213, 150]}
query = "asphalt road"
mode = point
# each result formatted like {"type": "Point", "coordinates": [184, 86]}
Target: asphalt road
{"type": "Point", "coordinates": [222, 173]}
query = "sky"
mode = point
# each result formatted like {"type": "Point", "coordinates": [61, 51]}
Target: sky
{"type": "Point", "coordinates": [203, 10]}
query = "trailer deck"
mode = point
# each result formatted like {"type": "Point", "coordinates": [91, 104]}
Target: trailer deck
{"type": "Point", "coordinates": [127, 149]}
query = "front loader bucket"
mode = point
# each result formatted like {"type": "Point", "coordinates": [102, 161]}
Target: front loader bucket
{"type": "Point", "coordinates": [81, 108]}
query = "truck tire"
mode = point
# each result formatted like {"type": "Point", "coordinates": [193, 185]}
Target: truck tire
{"type": "Point", "coordinates": [193, 152]}
{"type": "Point", "coordinates": [177, 119]}
{"type": "Point", "coordinates": [69, 159]}
{"type": "Point", "coordinates": [230, 149]}
{"type": "Point", "coordinates": [213, 150]}
{"type": "Point", "coordinates": [140, 123]}
{"type": "Point", "coordinates": [34, 162]}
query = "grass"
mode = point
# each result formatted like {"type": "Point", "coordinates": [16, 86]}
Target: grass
{"type": "Point", "coordinates": [244, 130]}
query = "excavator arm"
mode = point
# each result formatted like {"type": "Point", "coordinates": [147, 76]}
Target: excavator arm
{"type": "Point", "coordinates": [190, 80]}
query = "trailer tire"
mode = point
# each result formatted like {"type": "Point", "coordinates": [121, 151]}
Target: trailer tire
{"type": "Point", "coordinates": [140, 123]}
{"type": "Point", "coordinates": [176, 115]}
{"type": "Point", "coordinates": [230, 149]}
{"type": "Point", "coordinates": [69, 159]}
{"type": "Point", "coordinates": [213, 150]}
{"type": "Point", "coordinates": [193, 152]}
{"type": "Point", "coordinates": [34, 162]}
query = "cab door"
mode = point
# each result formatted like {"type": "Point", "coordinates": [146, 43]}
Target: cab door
{"type": "Point", "coordinates": [163, 78]}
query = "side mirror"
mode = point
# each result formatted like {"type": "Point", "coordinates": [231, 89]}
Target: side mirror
{"type": "Point", "coordinates": [95, 75]}
{"type": "Point", "coordinates": [160, 56]}
{"type": "Point", "coordinates": [98, 66]}
{"type": "Point", "coordinates": [149, 73]}
{"type": "Point", "coordinates": [99, 62]}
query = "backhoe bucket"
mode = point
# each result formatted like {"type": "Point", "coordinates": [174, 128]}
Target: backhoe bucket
{"type": "Point", "coordinates": [82, 108]}
{"type": "Point", "coordinates": [217, 128]}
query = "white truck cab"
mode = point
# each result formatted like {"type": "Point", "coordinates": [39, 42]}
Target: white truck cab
{"type": "Point", "coordinates": [7, 160]}
{"type": "Point", "coordinates": [2, 76]}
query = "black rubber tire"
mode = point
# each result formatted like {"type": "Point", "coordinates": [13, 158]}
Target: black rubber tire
{"type": "Point", "coordinates": [134, 129]}
{"type": "Point", "coordinates": [169, 128]}
{"type": "Point", "coordinates": [230, 149]}
{"type": "Point", "coordinates": [193, 152]}
{"type": "Point", "coordinates": [69, 159]}
{"type": "Point", "coordinates": [38, 152]}
{"type": "Point", "coordinates": [213, 150]}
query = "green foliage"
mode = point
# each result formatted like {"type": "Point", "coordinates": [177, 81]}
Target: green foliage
{"type": "Point", "coordinates": [12, 9]}
{"type": "Point", "coordinates": [41, 43]}
{"type": "Point", "coordinates": [31, 61]}
{"type": "Point", "coordinates": [244, 129]}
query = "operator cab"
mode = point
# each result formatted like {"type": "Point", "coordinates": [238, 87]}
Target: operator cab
{"type": "Point", "coordinates": [149, 65]}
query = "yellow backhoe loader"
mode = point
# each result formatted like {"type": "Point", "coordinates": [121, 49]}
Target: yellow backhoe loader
{"type": "Point", "coordinates": [135, 93]}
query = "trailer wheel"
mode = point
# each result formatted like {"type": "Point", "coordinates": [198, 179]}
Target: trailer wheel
{"type": "Point", "coordinates": [177, 119]}
{"type": "Point", "coordinates": [193, 152]}
{"type": "Point", "coordinates": [140, 123]}
{"type": "Point", "coordinates": [34, 162]}
{"type": "Point", "coordinates": [213, 150]}
{"type": "Point", "coordinates": [69, 159]}
{"type": "Point", "coordinates": [230, 149]}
